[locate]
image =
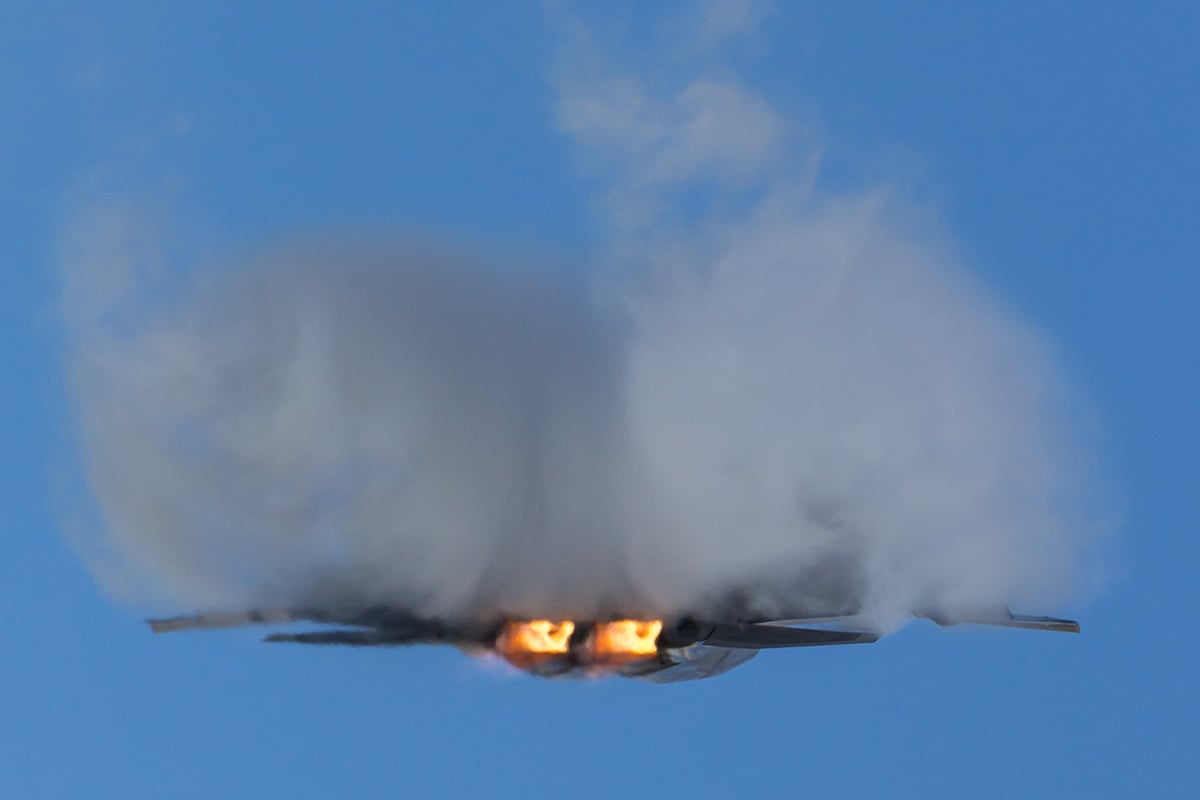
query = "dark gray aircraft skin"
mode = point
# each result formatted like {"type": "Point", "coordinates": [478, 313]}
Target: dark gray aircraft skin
{"type": "Point", "coordinates": [686, 648]}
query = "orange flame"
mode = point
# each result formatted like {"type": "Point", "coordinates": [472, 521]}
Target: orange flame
{"type": "Point", "coordinates": [625, 640]}
{"type": "Point", "coordinates": [525, 643]}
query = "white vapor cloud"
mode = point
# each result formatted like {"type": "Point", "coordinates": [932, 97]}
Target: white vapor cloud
{"type": "Point", "coordinates": [708, 128]}
{"type": "Point", "coordinates": [719, 20]}
{"type": "Point", "coordinates": [803, 402]}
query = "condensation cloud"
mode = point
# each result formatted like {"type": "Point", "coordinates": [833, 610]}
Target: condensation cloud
{"type": "Point", "coordinates": [804, 400]}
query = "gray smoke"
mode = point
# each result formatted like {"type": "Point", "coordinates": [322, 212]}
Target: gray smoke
{"type": "Point", "coordinates": [806, 403]}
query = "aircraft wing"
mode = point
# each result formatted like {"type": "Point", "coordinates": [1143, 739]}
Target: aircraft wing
{"type": "Point", "coordinates": [219, 620]}
{"type": "Point", "coordinates": [377, 626]}
{"type": "Point", "coordinates": [1004, 618]}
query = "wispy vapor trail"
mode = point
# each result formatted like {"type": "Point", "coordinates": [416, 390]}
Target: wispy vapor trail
{"type": "Point", "coordinates": [803, 400]}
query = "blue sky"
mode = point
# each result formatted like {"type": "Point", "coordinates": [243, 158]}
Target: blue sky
{"type": "Point", "coordinates": [1055, 144]}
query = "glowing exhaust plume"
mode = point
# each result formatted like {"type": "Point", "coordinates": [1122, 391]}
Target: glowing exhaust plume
{"type": "Point", "coordinates": [526, 643]}
{"type": "Point", "coordinates": [625, 639]}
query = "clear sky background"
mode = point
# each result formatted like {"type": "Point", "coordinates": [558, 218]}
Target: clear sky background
{"type": "Point", "coordinates": [1056, 142]}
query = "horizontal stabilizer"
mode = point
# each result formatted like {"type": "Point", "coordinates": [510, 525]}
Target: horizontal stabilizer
{"type": "Point", "coordinates": [755, 636]}
{"type": "Point", "coordinates": [353, 638]}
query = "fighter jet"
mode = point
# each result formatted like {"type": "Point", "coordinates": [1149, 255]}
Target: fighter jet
{"type": "Point", "coordinates": [659, 650]}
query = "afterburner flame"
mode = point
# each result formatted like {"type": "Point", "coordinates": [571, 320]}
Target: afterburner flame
{"type": "Point", "coordinates": [525, 643]}
{"type": "Point", "coordinates": [539, 645]}
{"type": "Point", "coordinates": [625, 639]}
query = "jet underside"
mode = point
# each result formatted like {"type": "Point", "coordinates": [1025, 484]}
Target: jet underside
{"type": "Point", "coordinates": [670, 651]}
